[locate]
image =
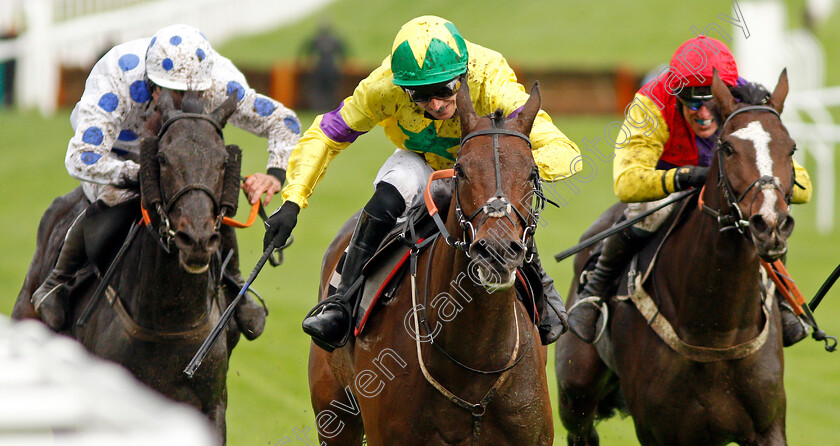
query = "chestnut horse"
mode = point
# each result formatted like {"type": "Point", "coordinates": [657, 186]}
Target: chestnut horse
{"type": "Point", "coordinates": [718, 378]}
{"type": "Point", "coordinates": [482, 379]}
{"type": "Point", "coordinates": [164, 298]}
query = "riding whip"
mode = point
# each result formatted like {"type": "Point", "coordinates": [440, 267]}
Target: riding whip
{"type": "Point", "coordinates": [616, 228]}
{"type": "Point", "coordinates": [106, 279]}
{"type": "Point", "coordinates": [195, 362]}
{"type": "Point", "coordinates": [824, 289]}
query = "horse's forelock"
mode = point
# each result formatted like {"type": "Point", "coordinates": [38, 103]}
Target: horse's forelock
{"type": "Point", "coordinates": [192, 103]}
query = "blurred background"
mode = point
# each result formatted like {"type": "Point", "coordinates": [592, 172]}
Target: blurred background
{"type": "Point", "coordinates": [590, 57]}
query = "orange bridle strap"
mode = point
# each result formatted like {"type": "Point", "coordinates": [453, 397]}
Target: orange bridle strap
{"type": "Point", "coordinates": [252, 216]}
{"type": "Point", "coordinates": [785, 285]}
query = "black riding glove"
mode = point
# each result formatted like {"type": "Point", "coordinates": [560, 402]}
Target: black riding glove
{"type": "Point", "coordinates": [690, 176]}
{"type": "Point", "coordinates": [278, 227]}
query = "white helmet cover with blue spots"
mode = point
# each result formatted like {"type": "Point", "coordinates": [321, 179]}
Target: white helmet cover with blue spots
{"type": "Point", "coordinates": [179, 57]}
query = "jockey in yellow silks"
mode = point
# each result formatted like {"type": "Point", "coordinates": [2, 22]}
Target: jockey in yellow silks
{"type": "Point", "coordinates": [412, 96]}
{"type": "Point", "coordinates": [668, 143]}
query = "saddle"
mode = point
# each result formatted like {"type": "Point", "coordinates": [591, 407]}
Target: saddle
{"type": "Point", "coordinates": [382, 273]}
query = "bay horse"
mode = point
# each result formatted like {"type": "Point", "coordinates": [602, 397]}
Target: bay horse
{"type": "Point", "coordinates": [718, 377]}
{"type": "Point", "coordinates": [165, 296]}
{"type": "Point", "coordinates": [482, 379]}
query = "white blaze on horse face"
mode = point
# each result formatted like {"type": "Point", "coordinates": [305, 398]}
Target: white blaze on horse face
{"type": "Point", "coordinates": [755, 132]}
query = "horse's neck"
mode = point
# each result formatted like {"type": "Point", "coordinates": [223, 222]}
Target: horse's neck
{"type": "Point", "coordinates": [714, 282]}
{"type": "Point", "coordinates": [158, 292]}
{"type": "Point", "coordinates": [484, 327]}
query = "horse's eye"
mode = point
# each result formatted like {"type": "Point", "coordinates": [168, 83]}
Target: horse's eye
{"type": "Point", "coordinates": [793, 149]}
{"type": "Point", "coordinates": [458, 170]}
{"type": "Point", "coordinates": [161, 159]}
{"type": "Point", "coordinates": [535, 173]}
{"type": "Point", "coordinates": [727, 149]}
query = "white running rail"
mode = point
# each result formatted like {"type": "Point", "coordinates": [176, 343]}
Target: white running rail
{"type": "Point", "coordinates": [76, 32]}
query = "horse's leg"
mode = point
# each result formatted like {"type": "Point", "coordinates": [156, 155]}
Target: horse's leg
{"type": "Point", "coordinates": [217, 419]}
{"type": "Point", "coordinates": [583, 380]}
{"type": "Point", "coordinates": [51, 230]}
{"type": "Point", "coordinates": [330, 400]}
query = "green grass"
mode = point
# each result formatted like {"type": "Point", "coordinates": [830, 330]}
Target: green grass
{"type": "Point", "coordinates": [268, 389]}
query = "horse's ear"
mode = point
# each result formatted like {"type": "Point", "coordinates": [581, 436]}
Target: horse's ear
{"type": "Point", "coordinates": [223, 112]}
{"type": "Point", "coordinates": [525, 120]}
{"type": "Point", "coordinates": [466, 111]}
{"type": "Point", "coordinates": [165, 103]}
{"type": "Point", "coordinates": [720, 91]}
{"type": "Point", "coordinates": [777, 99]}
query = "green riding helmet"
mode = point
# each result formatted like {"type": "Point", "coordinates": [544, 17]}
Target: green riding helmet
{"type": "Point", "coordinates": [428, 50]}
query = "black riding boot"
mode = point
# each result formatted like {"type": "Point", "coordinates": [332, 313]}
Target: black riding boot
{"type": "Point", "coordinates": [618, 249]}
{"type": "Point", "coordinates": [552, 310]}
{"type": "Point", "coordinates": [332, 323]}
{"type": "Point", "coordinates": [249, 315]}
{"type": "Point", "coordinates": [793, 329]}
{"type": "Point", "coordinates": [330, 320]}
{"type": "Point", "coordinates": [51, 298]}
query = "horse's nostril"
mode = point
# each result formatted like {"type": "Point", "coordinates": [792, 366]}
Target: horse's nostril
{"type": "Point", "coordinates": [213, 242]}
{"type": "Point", "coordinates": [786, 228]}
{"type": "Point", "coordinates": [758, 224]}
{"type": "Point", "coordinates": [184, 239]}
{"type": "Point", "coordinates": [516, 250]}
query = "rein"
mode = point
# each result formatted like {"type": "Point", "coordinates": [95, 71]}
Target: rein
{"type": "Point", "coordinates": [735, 219]}
{"type": "Point", "coordinates": [477, 410]}
{"type": "Point", "coordinates": [497, 206]}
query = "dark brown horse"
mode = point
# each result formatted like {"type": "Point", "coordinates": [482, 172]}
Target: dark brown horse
{"type": "Point", "coordinates": [483, 381]}
{"type": "Point", "coordinates": [717, 378]}
{"type": "Point", "coordinates": [164, 298]}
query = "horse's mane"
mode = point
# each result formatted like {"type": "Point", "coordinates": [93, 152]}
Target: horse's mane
{"type": "Point", "coordinates": [752, 93]}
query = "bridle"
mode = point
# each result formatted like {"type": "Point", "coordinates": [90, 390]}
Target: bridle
{"type": "Point", "coordinates": [735, 218]}
{"type": "Point", "coordinates": [163, 206]}
{"type": "Point", "coordinates": [497, 206]}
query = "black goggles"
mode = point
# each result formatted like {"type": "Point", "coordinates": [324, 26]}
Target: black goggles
{"type": "Point", "coordinates": [693, 104]}
{"type": "Point", "coordinates": [426, 93]}
{"type": "Point", "coordinates": [694, 97]}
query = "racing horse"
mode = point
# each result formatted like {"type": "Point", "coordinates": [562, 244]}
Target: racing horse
{"type": "Point", "coordinates": [165, 296]}
{"type": "Point", "coordinates": [696, 358]}
{"type": "Point", "coordinates": [478, 376]}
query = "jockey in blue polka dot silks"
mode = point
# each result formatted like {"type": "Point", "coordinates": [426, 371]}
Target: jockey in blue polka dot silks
{"type": "Point", "coordinates": [118, 100]}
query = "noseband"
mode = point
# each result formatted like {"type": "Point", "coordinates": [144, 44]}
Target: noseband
{"type": "Point", "coordinates": [735, 219]}
{"type": "Point", "coordinates": [165, 231]}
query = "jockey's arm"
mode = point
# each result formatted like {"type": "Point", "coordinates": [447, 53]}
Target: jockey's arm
{"type": "Point", "coordinates": [801, 195]}
{"type": "Point", "coordinates": [262, 116]}
{"type": "Point", "coordinates": [96, 123]}
{"type": "Point", "coordinates": [641, 142]}
{"type": "Point", "coordinates": [332, 132]}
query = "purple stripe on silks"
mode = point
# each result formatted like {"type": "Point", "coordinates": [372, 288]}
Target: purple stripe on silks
{"type": "Point", "coordinates": [515, 113]}
{"type": "Point", "coordinates": [333, 125]}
